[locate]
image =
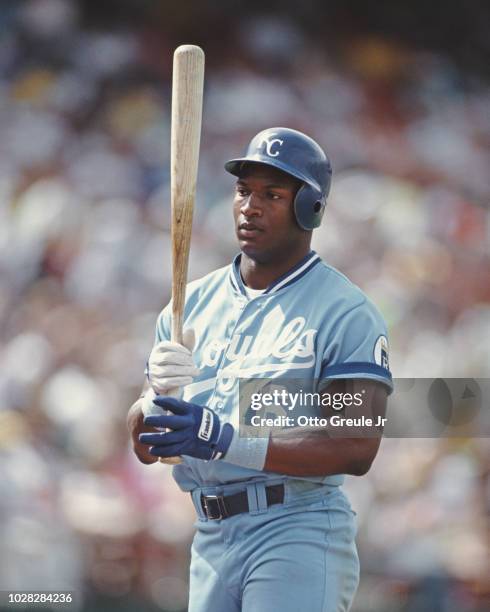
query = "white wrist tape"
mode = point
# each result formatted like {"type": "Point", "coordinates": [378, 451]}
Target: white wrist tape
{"type": "Point", "coordinates": [148, 408]}
{"type": "Point", "coordinates": [247, 452]}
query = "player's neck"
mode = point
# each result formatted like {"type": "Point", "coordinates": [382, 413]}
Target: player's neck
{"type": "Point", "coordinates": [260, 274]}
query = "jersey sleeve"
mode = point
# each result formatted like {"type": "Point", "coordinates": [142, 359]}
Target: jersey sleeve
{"type": "Point", "coordinates": [358, 347]}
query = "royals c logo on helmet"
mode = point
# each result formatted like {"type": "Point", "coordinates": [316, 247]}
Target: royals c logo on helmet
{"type": "Point", "coordinates": [269, 143]}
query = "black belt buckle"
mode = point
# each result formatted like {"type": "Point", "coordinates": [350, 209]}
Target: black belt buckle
{"type": "Point", "coordinates": [214, 507]}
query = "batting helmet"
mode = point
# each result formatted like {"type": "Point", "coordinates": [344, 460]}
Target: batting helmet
{"type": "Point", "coordinates": [301, 157]}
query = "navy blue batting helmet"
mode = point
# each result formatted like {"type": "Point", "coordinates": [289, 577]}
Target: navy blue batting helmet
{"type": "Point", "coordinates": [301, 157]}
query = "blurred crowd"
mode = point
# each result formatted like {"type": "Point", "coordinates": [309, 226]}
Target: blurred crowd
{"type": "Point", "coordinates": [85, 269]}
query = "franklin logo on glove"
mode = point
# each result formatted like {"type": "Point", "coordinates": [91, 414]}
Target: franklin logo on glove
{"type": "Point", "coordinates": [205, 429]}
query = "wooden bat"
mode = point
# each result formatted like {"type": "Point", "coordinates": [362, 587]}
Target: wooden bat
{"type": "Point", "coordinates": [187, 94]}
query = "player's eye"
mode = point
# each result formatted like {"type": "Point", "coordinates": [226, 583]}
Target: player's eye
{"type": "Point", "coordinates": [243, 193]}
{"type": "Point", "coordinates": [273, 196]}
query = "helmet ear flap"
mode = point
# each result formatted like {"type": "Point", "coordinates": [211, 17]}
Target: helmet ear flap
{"type": "Point", "coordinates": [309, 206]}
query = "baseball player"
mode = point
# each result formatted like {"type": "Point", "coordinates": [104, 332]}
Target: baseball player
{"type": "Point", "coordinates": [275, 531]}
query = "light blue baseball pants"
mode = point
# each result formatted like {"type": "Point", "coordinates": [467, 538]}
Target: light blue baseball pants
{"type": "Point", "coordinates": [299, 555]}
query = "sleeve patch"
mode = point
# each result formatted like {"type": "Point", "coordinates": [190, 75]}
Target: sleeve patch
{"type": "Point", "coordinates": [380, 352]}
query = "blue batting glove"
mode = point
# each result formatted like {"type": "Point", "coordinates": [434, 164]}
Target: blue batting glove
{"type": "Point", "coordinates": [196, 431]}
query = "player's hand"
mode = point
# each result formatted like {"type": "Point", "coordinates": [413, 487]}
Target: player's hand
{"type": "Point", "coordinates": [170, 365]}
{"type": "Point", "coordinates": [196, 431]}
{"type": "Point", "coordinates": [136, 426]}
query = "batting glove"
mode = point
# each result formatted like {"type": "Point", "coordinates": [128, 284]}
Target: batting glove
{"type": "Point", "coordinates": [196, 431]}
{"type": "Point", "coordinates": [171, 366]}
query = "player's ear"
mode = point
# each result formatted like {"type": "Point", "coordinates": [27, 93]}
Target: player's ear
{"type": "Point", "coordinates": [189, 339]}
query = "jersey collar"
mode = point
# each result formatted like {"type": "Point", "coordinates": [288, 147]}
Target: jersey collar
{"type": "Point", "coordinates": [290, 277]}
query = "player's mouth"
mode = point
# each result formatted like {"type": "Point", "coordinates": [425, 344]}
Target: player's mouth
{"type": "Point", "coordinates": [248, 230]}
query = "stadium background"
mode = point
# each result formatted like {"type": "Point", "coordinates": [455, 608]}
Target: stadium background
{"type": "Point", "coordinates": [398, 94]}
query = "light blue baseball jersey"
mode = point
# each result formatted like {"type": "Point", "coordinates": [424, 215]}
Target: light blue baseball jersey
{"type": "Point", "coordinates": [312, 322]}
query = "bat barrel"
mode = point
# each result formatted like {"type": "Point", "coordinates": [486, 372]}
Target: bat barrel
{"type": "Point", "coordinates": [187, 96]}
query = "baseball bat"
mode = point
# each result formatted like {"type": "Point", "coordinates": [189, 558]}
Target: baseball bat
{"type": "Point", "coordinates": [187, 95]}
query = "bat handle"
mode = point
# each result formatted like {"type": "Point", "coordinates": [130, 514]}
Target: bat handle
{"type": "Point", "coordinates": [170, 460]}
{"type": "Point", "coordinates": [177, 326]}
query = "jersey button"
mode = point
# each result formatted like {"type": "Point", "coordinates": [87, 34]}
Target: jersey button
{"type": "Point", "coordinates": [219, 404]}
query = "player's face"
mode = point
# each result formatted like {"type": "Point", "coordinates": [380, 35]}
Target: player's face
{"type": "Point", "coordinates": [265, 224]}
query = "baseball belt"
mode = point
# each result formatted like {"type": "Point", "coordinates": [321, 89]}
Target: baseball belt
{"type": "Point", "coordinates": [217, 507]}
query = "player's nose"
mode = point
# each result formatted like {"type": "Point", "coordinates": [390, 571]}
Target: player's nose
{"type": "Point", "coordinates": [251, 206]}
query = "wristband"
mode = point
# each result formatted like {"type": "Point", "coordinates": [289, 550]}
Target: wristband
{"type": "Point", "coordinates": [247, 452]}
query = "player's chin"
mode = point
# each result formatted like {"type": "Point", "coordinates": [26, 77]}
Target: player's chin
{"type": "Point", "coordinates": [250, 247]}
